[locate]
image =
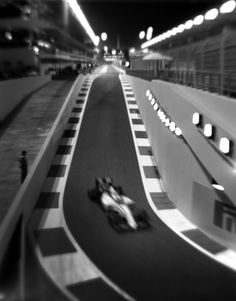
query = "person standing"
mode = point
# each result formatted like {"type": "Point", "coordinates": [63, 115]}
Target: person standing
{"type": "Point", "coordinates": [23, 165]}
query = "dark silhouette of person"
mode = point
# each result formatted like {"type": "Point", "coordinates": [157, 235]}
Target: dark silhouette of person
{"type": "Point", "coordinates": [23, 165]}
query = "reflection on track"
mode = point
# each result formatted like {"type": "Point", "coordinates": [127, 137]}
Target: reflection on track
{"type": "Point", "coordinates": [148, 265]}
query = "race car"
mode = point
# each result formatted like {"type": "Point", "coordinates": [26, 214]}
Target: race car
{"type": "Point", "coordinates": [120, 209]}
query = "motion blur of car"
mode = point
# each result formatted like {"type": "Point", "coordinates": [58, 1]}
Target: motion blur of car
{"type": "Point", "coordinates": [121, 211]}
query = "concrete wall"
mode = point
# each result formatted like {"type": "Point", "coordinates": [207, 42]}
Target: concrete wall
{"type": "Point", "coordinates": [186, 164]}
{"type": "Point", "coordinates": [13, 91]}
{"type": "Point", "coordinates": [28, 194]}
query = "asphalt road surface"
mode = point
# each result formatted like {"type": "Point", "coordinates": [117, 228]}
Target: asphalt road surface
{"type": "Point", "coordinates": [149, 265]}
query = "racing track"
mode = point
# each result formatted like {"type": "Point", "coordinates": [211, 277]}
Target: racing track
{"type": "Point", "coordinates": [148, 265]}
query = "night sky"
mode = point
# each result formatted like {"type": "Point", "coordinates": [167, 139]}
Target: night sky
{"type": "Point", "coordinates": [128, 18]}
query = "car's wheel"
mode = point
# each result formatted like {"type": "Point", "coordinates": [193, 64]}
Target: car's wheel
{"type": "Point", "coordinates": [115, 220]}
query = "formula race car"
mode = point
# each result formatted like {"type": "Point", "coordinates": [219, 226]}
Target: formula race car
{"type": "Point", "coordinates": [120, 210]}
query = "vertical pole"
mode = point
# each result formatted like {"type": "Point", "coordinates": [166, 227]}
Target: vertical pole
{"type": "Point", "coordinates": [22, 260]}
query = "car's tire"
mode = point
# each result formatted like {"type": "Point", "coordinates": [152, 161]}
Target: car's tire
{"type": "Point", "coordinates": [114, 220]}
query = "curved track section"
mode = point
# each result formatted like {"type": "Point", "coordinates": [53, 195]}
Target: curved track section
{"type": "Point", "coordinates": [148, 265]}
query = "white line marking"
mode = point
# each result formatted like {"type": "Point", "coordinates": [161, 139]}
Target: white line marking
{"type": "Point", "coordinates": [142, 142]}
{"type": "Point", "coordinates": [133, 106]}
{"type": "Point", "coordinates": [139, 127]}
{"type": "Point", "coordinates": [46, 218]}
{"type": "Point", "coordinates": [154, 185]}
{"type": "Point", "coordinates": [147, 161]}
{"type": "Point", "coordinates": [70, 268]}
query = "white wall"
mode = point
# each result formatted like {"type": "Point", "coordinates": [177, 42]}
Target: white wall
{"type": "Point", "coordinates": [185, 167]}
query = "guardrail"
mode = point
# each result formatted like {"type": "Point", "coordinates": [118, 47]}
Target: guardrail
{"type": "Point", "coordinates": [221, 83]}
{"type": "Point", "coordinates": [26, 198]}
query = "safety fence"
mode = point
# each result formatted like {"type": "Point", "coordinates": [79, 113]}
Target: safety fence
{"type": "Point", "coordinates": [221, 83]}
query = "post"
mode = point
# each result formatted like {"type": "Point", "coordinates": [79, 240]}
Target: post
{"type": "Point", "coordinates": [22, 260]}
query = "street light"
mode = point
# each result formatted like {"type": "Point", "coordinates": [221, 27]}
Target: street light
{"type": "Point", "coordinates": [142, 34]}
{"type": "Point", "coordinates": [104, 36]}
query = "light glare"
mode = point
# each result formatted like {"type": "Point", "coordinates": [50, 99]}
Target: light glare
{"type": "Point", "coordinates": [198, 20]}
{"type": "Point", "coordinates": [225, 145]}
{"type": "Point", "coordinates": [142, 34]}
{"type": "Point", "coordinates": [196, 118]}
{"type": "Point", "coordinates": [82, 19]}
{"type": "Point", "coordinates": [227, 7]}
{"type": "Point", "coordinates": [208, 130]}
{"type": "Point", "coordinates": [211, 14]}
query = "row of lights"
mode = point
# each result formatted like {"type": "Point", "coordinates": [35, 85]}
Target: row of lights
{"type": "Point", "coordinates": [212, 14]}
{"type": "Point", "coordinates": [162, 115]}
{"type": "Point", "coordinates": [225, 144]}
{"type": "Point", "coordinates": [148, 35]}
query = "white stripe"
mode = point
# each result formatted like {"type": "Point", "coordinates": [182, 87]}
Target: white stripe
{"type": "Point", "coordinates": [70, 268]}
{"type": "Point", "coordinates": [132, 106]}
{"type": "Point", "coordinates": [139, 127]}
{"type": "Point", "coordinates": [71, 126]}
{"type": "Point", "coordinates": [142, 142]}
{"type": "Point", "coordinates": [61, 159]}
{"type": "Point", "coordinates": [75, 114]}
{"type": "Point", "coordinates": [154, 185]}
{"type": "Point", "coordinates": [130, 98]}
{"type": "Point", "coordinates": [174, 219]}
{"type": "Point", "coordinates": [78, 105]}
{"type": "Point", "coordinates": [147, 160]}
{"type": "Point", "coordinates": [53, 184]}
{"type": "Point", "coordinates": [135, 116]}
{"type": "Point", "coordinates": [46, 218]}
{"type": "Point", "coordinates": [227, 257]}
{"type": "Point", "coordinates": [66, 141]}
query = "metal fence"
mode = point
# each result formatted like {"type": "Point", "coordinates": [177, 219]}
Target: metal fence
{"type": "Point", "coordinates": [221, 83]}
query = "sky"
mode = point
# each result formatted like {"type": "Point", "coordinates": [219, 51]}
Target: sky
{"type": "Point", "coordinates": [126, 18]}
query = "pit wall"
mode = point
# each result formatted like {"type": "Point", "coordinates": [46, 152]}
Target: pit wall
{"type": "Point", "coordinates": [187, 164]}
{"type": "Point", "coordinates": [13, 91]}
{"type": "Point", "coordinates": [28, 194]}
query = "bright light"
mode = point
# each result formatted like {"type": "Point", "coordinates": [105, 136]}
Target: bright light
{"type": "Point", "coordinates": [8, 36]}
{"type": "Point", "coordinates": [180, 28]}
{"type": "Point", "coordinates": [153, 101]}
{"type": "Point", "coordinates": [227, 7]}
{"type": "Point", "coordinates": [150, 97]}
{"type": "Point", "coordinates": [208, 130]}
{"type": "Point", "coordinates": [198, 20]}
{"type": "Point", "coordinates": [82, 19]}
{"type": "Point", "coordinates": [224, 145]}
{"type": "Point", "coordinates": [145, 50]}
{"type": "Point", "coordinates": [142, 34]}
{"type": "Point", "coordinates": [167, 122]}
{"type": "Point", "coordinates": [105, 48]}
{"type": "Point", "coordinates": [211, 14]}
{"type": "Point", "coordinates": [155, 107]}
{"type": "Point", "coordinates": [188, 24]}
{"type": "Point", "coordinates": [196, 118]}
{"type": "Point", "coordinates": [178, 131]}
{"type": "Point", "coordinates": [172, 126]}
{"type": "Point", "coordinates": [132, 50]}
{"type": "Point", "coordinates": [127, 64]}
{"type": "Point", "coordinates": [174, 31]}
{"type": "Point", "coordinates": [36, 50]}
{"type": "Point", "coordinates": [96, 49]}
{"type": "Point", "coordinates": [149, 33]}
{"type": "Point", "coordinates": [168, 33]}
{"type": "Point", "coordinates": [113, 52]}
{"type": "Point", "coordinates": [104, 36]}
{"type": "Point", "coordinates": [217, 186]}
{"type": "Point", "coordinates": [147, 93]}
